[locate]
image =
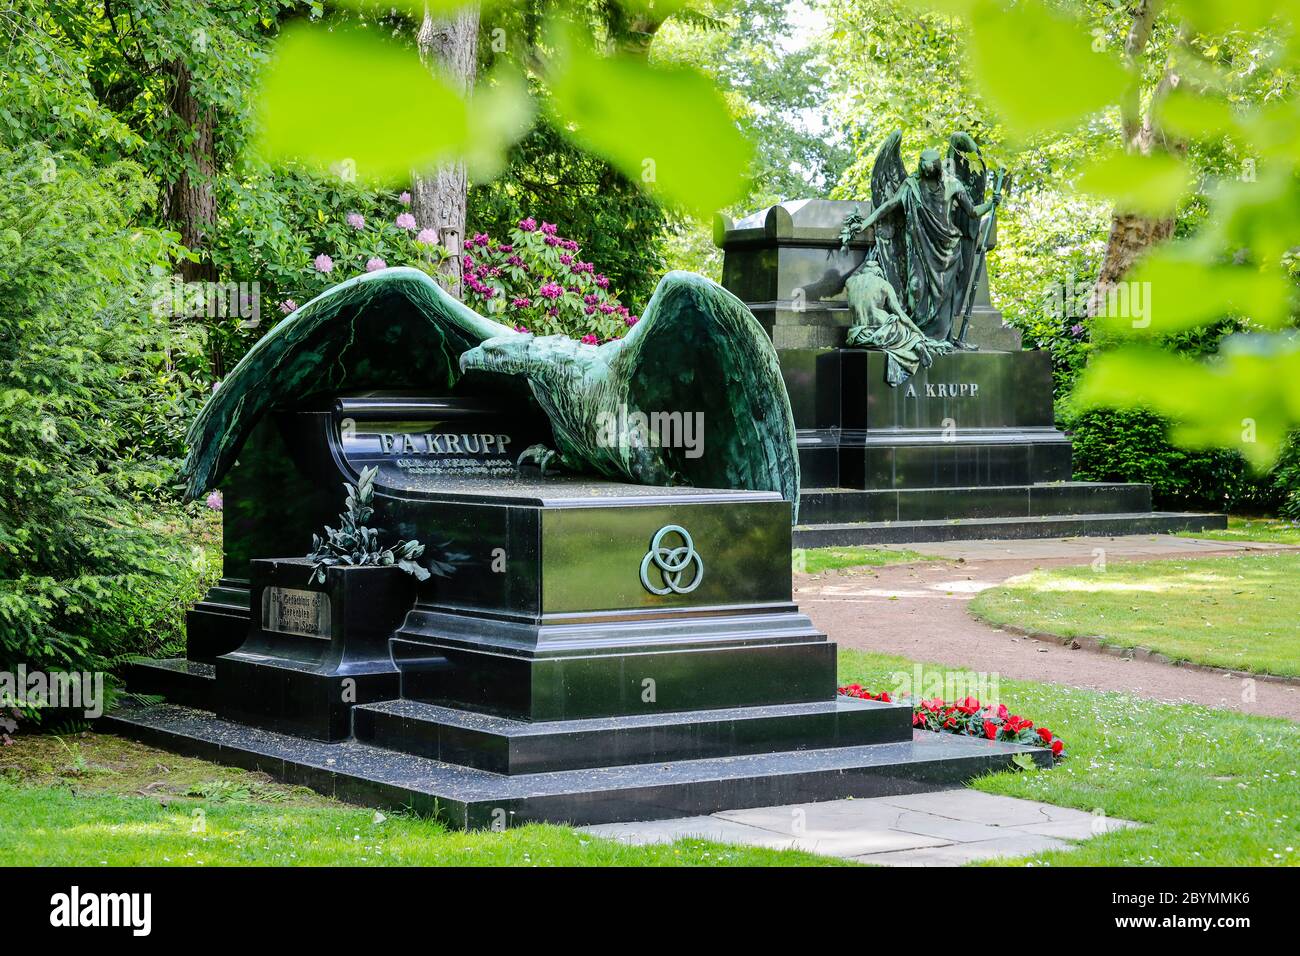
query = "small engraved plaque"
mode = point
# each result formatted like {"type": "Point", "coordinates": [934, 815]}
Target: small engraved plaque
{"type": "Point", "coordinates": [293, 611]}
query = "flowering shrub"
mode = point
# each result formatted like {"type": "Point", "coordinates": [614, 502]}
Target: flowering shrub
{"type": "Point", "coordinates": [968, 717]}
{"type": "Point", "coordinates": [537, 282]}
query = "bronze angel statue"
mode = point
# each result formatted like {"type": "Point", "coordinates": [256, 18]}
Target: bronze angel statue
{"type": "Point", "coordinates": [930, 230]}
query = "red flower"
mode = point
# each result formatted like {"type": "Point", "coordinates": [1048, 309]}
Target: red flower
{"type": "Point", "coordinates": [934, 706]}
{"type": "Point", "coordinates": [968, 706]}
{"type": "Point", "coordinates": [1016, 724]}
{"type": "Point", "coordinates": [1057, 746]}
{"type": "Point", "coordinates": [991, 729]}
{"type": "Point", "coordinates": [884, 696]}
{"type": "Point", "coordinates": [1045, 734]}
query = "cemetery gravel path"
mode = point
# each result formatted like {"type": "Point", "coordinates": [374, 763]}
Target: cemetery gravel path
{"type": "Point", "coordinates": [919, 611]}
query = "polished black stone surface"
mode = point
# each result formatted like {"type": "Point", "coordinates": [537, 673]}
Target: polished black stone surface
{"type": "Point", "coordinates": [301, 682]}
{"type": "Point", "coordinates": [843, 505]}
{"type": "Point", "coordinates": [181, 681]}
{"type": "Point", "coordinates": [465, 797]}
{"type": "Point", "coordinates": [509, 746]}
{"type": "Point", "coordinates": [974, 529]}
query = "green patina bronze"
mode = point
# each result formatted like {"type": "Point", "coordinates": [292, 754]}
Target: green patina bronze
{"type": "Point", "coordinates": [697, 352]}
{"type": "Point", "coordinates": [879, 322]}
{"type": "Point", "coordinates": [929, 246]}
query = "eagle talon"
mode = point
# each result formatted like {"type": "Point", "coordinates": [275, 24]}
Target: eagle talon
{"type": "Point", "coordinates": [539, 454]}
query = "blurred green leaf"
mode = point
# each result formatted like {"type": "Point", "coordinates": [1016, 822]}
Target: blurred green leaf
{"type": "Point", "coordinates": [1197, 116]}
{"type": "Point", "coordinates": [1038, 70]}
{"type": "Point", "coordinates": [1259, 213]}
{"type": "Point", "coordinates": [501, 111]}
{"type": "Point", "coordinates": [1173, 289]}
{"type": "Point", "coordinates": [1151, 185]}
{"type": "Point", "coordinates": [415, 8]}
{"type": "Point", "coordinates": [666, 128]}
{"type": "Point", "coordinates": [1248, 398]}
{"type": "Point", "coordinates": [348, 94]}
{"type": "Point", "coordinates": [1222, 16]}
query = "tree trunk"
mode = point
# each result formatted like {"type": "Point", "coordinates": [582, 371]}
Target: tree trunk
{"type": "Point", "coordinates": [189, 203]}
{"type": "Point", "coordinates": [438, 196]}
{"type": "Point", "coordinates": [1131, 235]}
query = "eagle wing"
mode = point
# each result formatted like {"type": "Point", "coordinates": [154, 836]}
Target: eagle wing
{"type": "Point", "coordinates": [396, 328]}
{"type": "Point", "coordinates": [698, 349]}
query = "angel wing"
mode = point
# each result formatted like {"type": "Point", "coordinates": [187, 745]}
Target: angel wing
{"type": "Point", "coordinates": [963, 154]}
{"type": "Point", "coordinates": [887, 175]}
{"type": "Point", "coordinates": [395, 328]}
{"type": "Point", "coordinates": [961, 149]}
{"type": "Point", "coordinates": [698, 348]}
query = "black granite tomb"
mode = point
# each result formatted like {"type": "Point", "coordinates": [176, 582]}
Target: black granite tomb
{"type": "Point", "coordinates": [597, 652]}
{"type": "Point", "coordinates": [965, 449]}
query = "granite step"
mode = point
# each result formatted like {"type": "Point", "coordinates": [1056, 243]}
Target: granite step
{"type": "Point", "coordinates": [506, 746]}
{"type": "Point", "coordinates": [1003, 528]}
{"type": "Point", "coordinates": [465, 797]}
{"type": "Point", "coordinates": [818, 506]}
{"type": "Point", "coordinates": [178, 679]}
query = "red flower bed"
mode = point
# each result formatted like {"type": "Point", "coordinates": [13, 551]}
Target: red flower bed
{"type": "Point", "coordinates": [969, 717]}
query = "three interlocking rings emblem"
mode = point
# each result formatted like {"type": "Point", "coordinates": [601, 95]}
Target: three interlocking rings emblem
{"type": "Point", "coordinates": [673, 563]}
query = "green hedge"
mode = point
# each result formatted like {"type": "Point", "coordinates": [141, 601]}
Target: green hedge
{"type": "Point", "coordinates": [1134, 446]}
{"type": "Point", "coordinates": [94, 560]}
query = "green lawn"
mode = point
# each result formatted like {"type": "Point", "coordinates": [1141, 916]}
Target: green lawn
{"type": "Point", "coordinates": [1214, 787]}
{"type": "Point", "coordinates": [93, 800]}
{"type": "Point", "coordinates": [1270, 530]}
{"type": "Point", "coordinates": [817, 560]}
{"type": "Point", "coordinates": [1238, 612]}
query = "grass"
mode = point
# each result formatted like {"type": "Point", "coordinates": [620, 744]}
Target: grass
{"type": "Point", "coordinates": [1213, 787]}
{"type": "Point", "coordinates": [98, 800]}
{"type": "Point", "coordinates": [1236, 612]}
{"type": "Point", "coordinates": [817, 560]}
{"type": "Point", "coordinates": [1268, 530]}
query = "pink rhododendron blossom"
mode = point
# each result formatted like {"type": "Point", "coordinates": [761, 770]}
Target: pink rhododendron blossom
{"type": "Point", "coordinates": [405, 221]}
{"type": "Point", "coordinates": [522, 329]}
{"type": "Point", "coordinates": [215, 501]}
{"type": "Point", "coordinates": [521, 302]}
{"type": "Point", "coordinates": [528, 225]}
{"type": "Point", "coordinates": [288, 306]}
{"type": "Point", "coordinates": [590, 339]}
{"type": "Point", "coordinates": [548, 228]}
{"type": "Point", "coordinates": [404, 199]}
{"type": "Point", "coordinates": [550, 291]}
{"type": "Point", "coordinates": [427, 237]}
{"type": "Point", "coordinates": [632, 320]}
{"type": "Point", "coordinates": [551, 241]}
{"type": "Point", "coordinates": [375, 264]}
{"type": "Point", "coordinates": [356, 220]}
{"type": "Point", "coordinates": [602, 282]}
{"type": "Point", "coordinates": [323, 263]}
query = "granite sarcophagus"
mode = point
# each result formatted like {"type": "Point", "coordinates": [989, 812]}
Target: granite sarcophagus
{"type": "Point", "coordinates": [585, 650]}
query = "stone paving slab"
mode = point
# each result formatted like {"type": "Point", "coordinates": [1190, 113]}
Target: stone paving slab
{"type": "Point", "coordinates": [944, 828]}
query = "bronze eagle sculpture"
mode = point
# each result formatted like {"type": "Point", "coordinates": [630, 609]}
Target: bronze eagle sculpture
{"type": "Point", "coordinates": [697, 350]}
